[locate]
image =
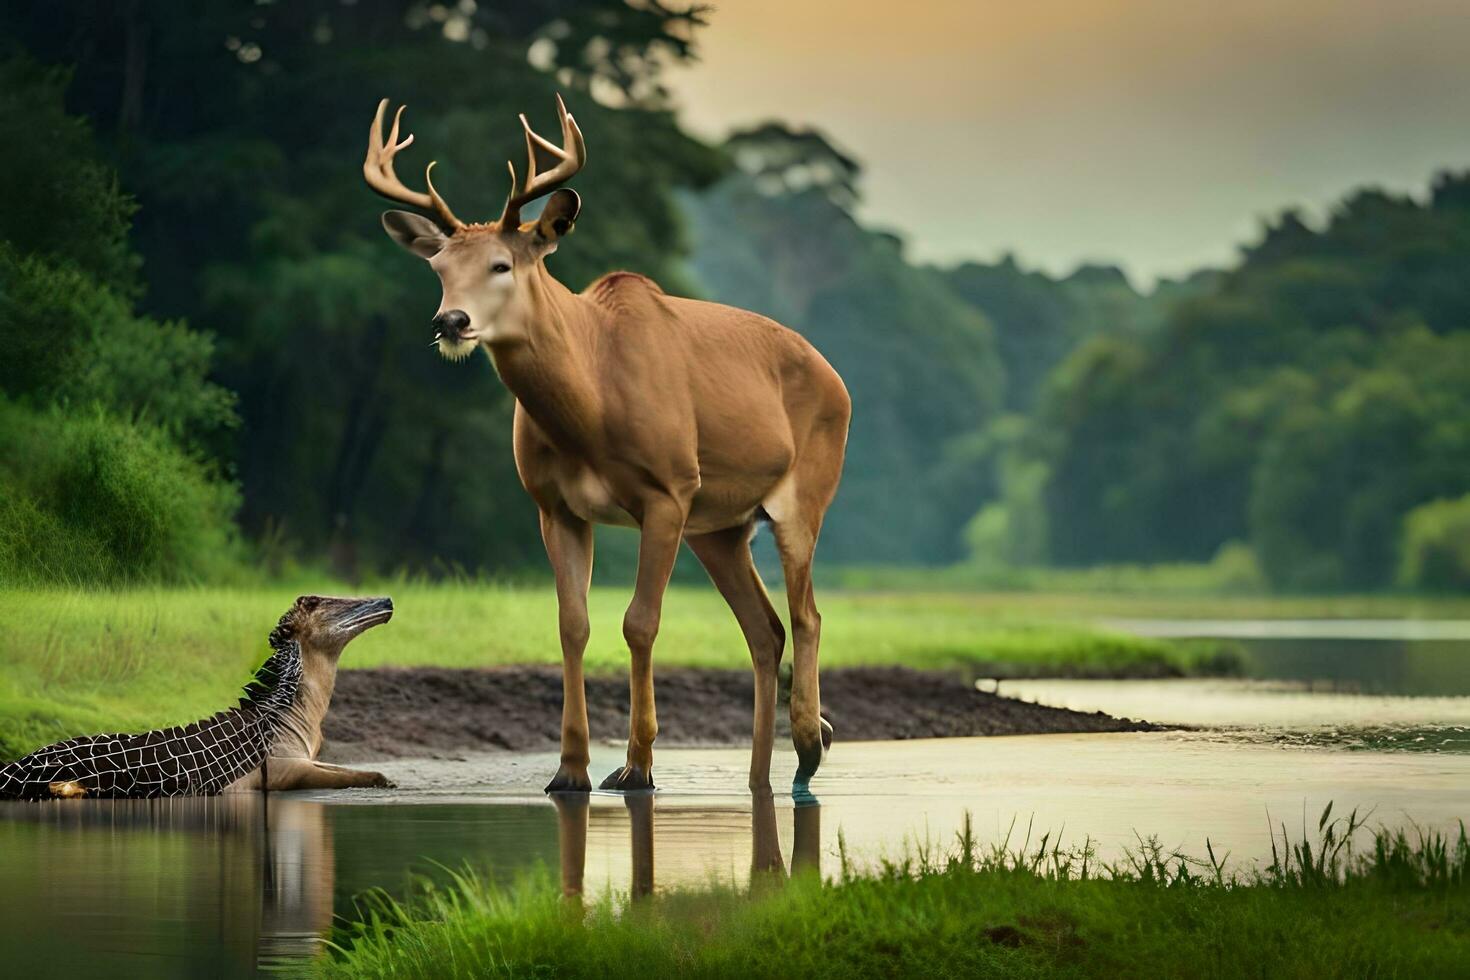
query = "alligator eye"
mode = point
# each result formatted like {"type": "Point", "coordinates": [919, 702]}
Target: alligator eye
{"type": "Point", "coordinates": [500, 267]}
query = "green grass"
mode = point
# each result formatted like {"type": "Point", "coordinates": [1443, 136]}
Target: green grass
{"type": "Point", "coordinates": [1068, 599]}
{"type": "Point", "coordinates": [1318, 910]}
{"type": "Point", "coordinates": [78, 662]}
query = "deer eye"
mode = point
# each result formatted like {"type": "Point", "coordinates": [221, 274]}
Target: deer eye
{"type": "Point", "coordinates": [500, 267]}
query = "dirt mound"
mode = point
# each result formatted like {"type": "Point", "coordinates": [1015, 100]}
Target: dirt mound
{"type": "Point", "coordinates": [429, 711]}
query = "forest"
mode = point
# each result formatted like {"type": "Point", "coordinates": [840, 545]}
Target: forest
{"type": "Point", "coordinates": [217, 366]}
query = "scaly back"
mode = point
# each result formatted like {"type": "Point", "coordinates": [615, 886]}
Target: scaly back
{"type": "Point", "coordinates": [199, 759]}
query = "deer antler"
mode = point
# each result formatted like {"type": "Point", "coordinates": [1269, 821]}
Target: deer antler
{"type": "Point", "coordinates": [377, 168]}
{"type": "Point", "coordinates": [564, 160]}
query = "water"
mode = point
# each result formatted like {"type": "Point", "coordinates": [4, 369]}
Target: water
{"type": "Point", "coordinates": [220, 887]}
{"type": "Point", "coordinates": [1380, 684]}
{"type": "Point", "coordinates": [1391, 657]}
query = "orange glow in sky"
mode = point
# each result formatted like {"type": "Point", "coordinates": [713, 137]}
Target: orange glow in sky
{"type": "Point", "coordinates": [1151, 133]}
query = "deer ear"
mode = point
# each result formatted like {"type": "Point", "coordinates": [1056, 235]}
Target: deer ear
{"type": "Point", "coordinates": [559, 215]}
{"type": "Point", "coordinates": [414, 232]}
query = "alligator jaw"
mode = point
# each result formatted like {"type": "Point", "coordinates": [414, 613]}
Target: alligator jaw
{"type": "Point", "coordinates": [365, 615]}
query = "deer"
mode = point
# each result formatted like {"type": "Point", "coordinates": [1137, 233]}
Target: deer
{"type": "Point", "coordinates": [687, 420]}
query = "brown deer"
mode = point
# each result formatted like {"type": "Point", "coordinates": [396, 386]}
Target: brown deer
{"type": "Point", "coordinates": [685, 419]}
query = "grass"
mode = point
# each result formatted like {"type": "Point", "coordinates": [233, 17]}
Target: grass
{"type": "Point", "coordinates": [1399, 908]}
{"type": "Point", "coordinates": [1067, 599]}
{"type": "Point", "coordinates": [78, 662]}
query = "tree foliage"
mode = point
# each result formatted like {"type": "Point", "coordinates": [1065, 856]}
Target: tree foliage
{"type": "Point", "coordinates": [1306, 401]}
{"type": "Point", "coordinates": [236, 324]}
{"type": "Point", "coordinates": [240, 130]}
{"type": "Point", "coordinates": [1436, 546]}
{"type": "Point", "coordinates": [103, 412]}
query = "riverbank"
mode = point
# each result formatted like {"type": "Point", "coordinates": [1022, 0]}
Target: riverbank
{"type": "Point", "coordinates": [81, 662]}
{"type": "Point", "coordinates": [389, 712]}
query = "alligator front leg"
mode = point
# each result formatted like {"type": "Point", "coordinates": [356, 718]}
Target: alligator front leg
{"type": "Point", "coordinates": [287, 774]}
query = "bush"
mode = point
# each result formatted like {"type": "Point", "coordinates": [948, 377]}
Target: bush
{"type": "Point", "coordinates": [88, 498]}
{"type": "Point", "coordinates": [1436, 546]}
{"type": "Point", "coordinates": [75, 342]}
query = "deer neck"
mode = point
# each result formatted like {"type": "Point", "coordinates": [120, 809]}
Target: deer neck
{"type": "Point", "coordinates": [549, 363]}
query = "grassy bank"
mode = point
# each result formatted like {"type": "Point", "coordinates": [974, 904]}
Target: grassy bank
{"type": "Point", "coordinates": [80, 662]}
{"type": "Point", "coordinates": [1400, 909]}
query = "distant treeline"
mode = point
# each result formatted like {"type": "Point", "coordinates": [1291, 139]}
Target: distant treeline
{"type": "Point", "coordinates": [214, 360]}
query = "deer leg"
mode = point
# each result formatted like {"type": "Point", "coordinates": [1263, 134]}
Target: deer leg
{"type": "Point", "coordinates": [796, 540]}
{"type": "Point", "coordinates": [663, 528]}
{"type": "Point", "coordinates": [726, 556]}
{"type": "Point", "coordinates": [568, 542]}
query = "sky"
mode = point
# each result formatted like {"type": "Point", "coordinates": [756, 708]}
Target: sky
{"type": "Point", "coordinates": [1153, 134]}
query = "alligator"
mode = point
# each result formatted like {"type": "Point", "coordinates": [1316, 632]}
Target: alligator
{"type": "Point", "coordinates": [234, 749]}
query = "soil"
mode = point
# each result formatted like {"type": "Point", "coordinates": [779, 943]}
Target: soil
{"type": "Point", "coordinates": [436, 712]}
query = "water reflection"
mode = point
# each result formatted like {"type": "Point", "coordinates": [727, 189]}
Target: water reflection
{"type": "Point", "coordinates": [766, 862]}
{"type": "Point", "coordinates": [218, 887]}
{"type": "Point", "coordinates": [212, 886]}
{"type": "Point", "coordinates": [230, 885]}
{"type": "Point", "coordinates": [298, 871]}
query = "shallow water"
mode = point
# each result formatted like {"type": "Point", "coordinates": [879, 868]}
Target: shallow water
{"type": "Point", "coordinates": [1400, 630]}
{"type": "Point", "coordinates": [1237, 703]}
{"type": "Point", "coordinates": [222, 887]}
{"type": "Point", "coordinates": [167, 888]}
{"type": "Point", "coordinates": [1377, 684]}
{"type": "Point", "coordinates": [1422, 658]}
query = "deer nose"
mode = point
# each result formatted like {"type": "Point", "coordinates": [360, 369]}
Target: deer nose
{"type": "Point", "coordinates": [451, 324]}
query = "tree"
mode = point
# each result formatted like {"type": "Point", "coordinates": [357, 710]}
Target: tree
{"type": "Point", "coordinates": [240, 131]}
{"type": "Point", "coordinates": [102, 411]}
{"type": "Point", "coordinates": [1307, 398]}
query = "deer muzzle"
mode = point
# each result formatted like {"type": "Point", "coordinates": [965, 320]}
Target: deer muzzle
{"type": "Point", "coordinates": [451, 324]}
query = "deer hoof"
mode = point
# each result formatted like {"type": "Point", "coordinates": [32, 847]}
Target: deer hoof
{"type": "Point", "coordinates": [628, 779]}
{"type": "Point", "coordinates": [569, 781]}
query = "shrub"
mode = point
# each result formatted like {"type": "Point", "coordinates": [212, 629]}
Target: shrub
{"type": "Point", "coordinates": [1436, 546]}
{"type": "Point", "coordinates": [76, 342]}
{"type": "Point", "coordinates": [86, 497]}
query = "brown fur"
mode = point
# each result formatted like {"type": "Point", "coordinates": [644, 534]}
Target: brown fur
{"type": "Point", "coordinates": [682, 418]}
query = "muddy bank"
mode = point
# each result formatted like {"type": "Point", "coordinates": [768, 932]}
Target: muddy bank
{"type": "Point", "coordinates": [426, 711]}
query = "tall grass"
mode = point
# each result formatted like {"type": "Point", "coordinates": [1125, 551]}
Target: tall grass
{"type": "Point", "coordinates": [1397, 907]}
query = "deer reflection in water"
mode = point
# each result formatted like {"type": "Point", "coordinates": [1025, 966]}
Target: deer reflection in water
{"type": "Point", "coordinates": [766, 862]}
{"type": "Point", "coordinates": [224, 886]}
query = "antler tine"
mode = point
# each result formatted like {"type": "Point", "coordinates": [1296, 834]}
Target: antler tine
{"type": "Point", "coordinates": [377, 169]}
{"type": "Point", "coordinates": [565, 161]}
